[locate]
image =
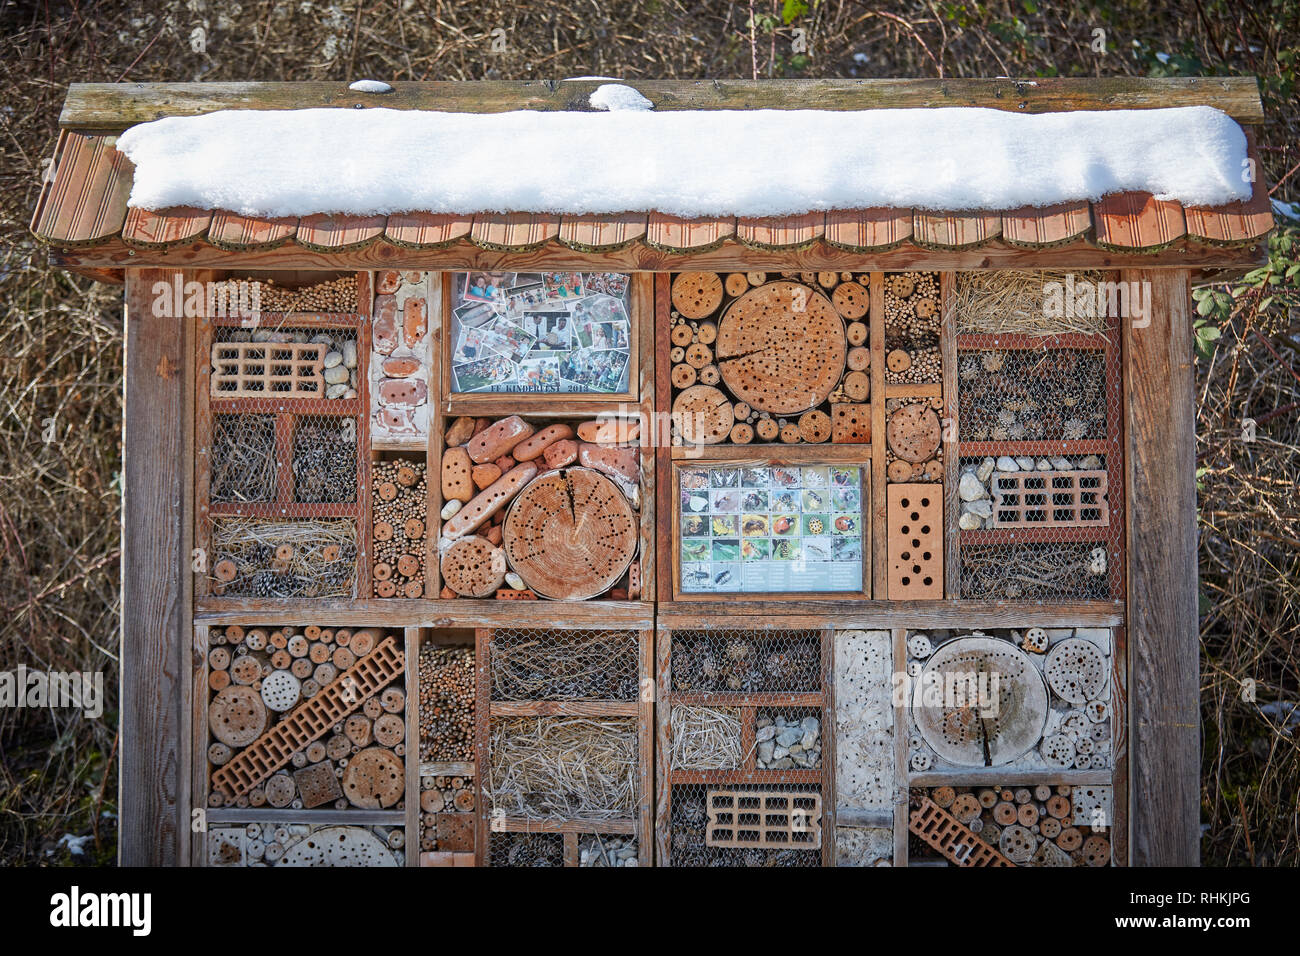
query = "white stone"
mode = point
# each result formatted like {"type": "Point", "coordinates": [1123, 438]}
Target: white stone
{"type": "Point", "coordinates": [1090, 462]}
{"type": "Point", "coordinates": [333, 358]}
{"type": "Point", "coordinates": [970, 488]}
{"type": "Point", "coordinates": [985, 469]}
{"type": "Point", "coordinates": [1043, 465]}
{"type": "Point", "coordinates": [336, 375]}
{"type": "Point", "coordinates": [337, 390]}
{"type": "Point", "coordinates": [515, 582]}
{"type": "Point", "coordinates": [1025, 462]}
{"type": "Point", "coordinates": [350, 353]}
{"type": "Point", "coordinates": [968, 521]}
{"type": "Point", "coordinates": [1062, 464]}
{"type": "Point", "coordinates": [450, 508]}
{"type": "Point", "coordinates": [983, 507]}
{"type": "Point", "coordinates": [1007, 463]}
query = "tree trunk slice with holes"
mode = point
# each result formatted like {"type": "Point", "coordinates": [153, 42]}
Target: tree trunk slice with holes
{"type": "Point", "coordinates": [698, 355]}
{"type": "Point", "coordinates": [851, 300]}
{"type": "Point", "coordinates": [474, 567]}
{"type": "Point", "coordinates": [742, 433]}
{"type": "Point", "coordinates": [709, 375]}
{"type": "Point", "coordinates": [697, 294]}
{"type": "Point", "coordinates": [857, 386]}
{"type": "Point", "coordinates": [859, 358]}
{"type": "Point", "coordinates": [914, 432]}
{"type": "Point", "coordinates": [777, 358]}
{"type": "Point", "coordinates": [237, 716]}
{"type": "Point", "coordinates": [767, 428]}
{"type": "Point", "coordinates": [814, 427]}
{"type": "Point", "coordinates": [703, 415]}
{"type": "Point", "coordinates": [681, 334]}
{"type": "Point", "coordinates": [898, 361]}
{"type": "Point", "coordinates": [683, 376]}
{"type": "Point", "coordinates": [374, 779]}
{"type": "Point", "coordinates": [707, 333]}
{"type": "Point", "coordinates": [570, 534]}
{"type": "Point", "coordinates": [737, 284]}
{"type": "Point", "coordinates": [857, 333]}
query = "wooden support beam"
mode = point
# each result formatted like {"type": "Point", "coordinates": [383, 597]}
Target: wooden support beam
{"type": "Point", "coordinates": [115, 106]}
{"type": "Point", "coordinates": [1164, 709]}
{"type": "Point", "coordinates": [154, 780]}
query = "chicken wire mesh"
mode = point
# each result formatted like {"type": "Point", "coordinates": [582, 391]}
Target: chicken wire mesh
{"type": "Point", "coordinates": [526, 849]}
{"type": "Point", "coordinates": [745, 825]}
{"type": "Point", "coordinates": [287, 459]}
{"type": "Point", "coordinates": [544, 664]}
{"type": "Point", "coordinates": [1041, 480]}
{"type": "Point", "coordinates": [732, 661]}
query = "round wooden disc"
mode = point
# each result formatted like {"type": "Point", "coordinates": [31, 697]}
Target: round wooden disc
{"type": "Point", "coordinates": [898, 361]}
{"type": "Point", "coordinates": [408, 565]}
{"type": "Point", "coordinates": [707, 333]}
{"type": "Point", "coordinates": [696, 294]}
{"type": "Point", "coordinates": [790, 433]}
{"type": "Point", "coordinates": [850, 300]}
{"type": "Point", "coordinates": [245, 669]}
{"type": "Point", "coordinates": [901, 285]}
{"type": "Point", "coordinates": [857, 386]}
{"type": "Point", "coordinates": [767, 428]}
{"type": "Point", "coordinates": [474, 567]}
{"type": "Point", "coordinates": [374, 779]}
{"type": "Point", "coordinates": [742, 433]}
{"type": "Point", "coordinates": [814, 426]}
{"type": "Point", "coordinates": [237, 716]}
{"type": "Point", "coordinates": [899, 470]}
{"type": "Point", "coordinates": [681, 334]}
{"type": "Point", "coordinates": [859, 358]}
{"type": "Point", "coordinates": [406, 475]}
{"type": "Point", "coordinates": [388, 491]}
{"type": "Point", "coordinates": [413, 528]}
{"type": "Point", "coordinates": [703, 415]}
{"type": "Point", "coordinates": [570, 534]}
{"type": "Point", "coordinates": [709, 375]}
{"type": "Point", "coordinates": [781, 348]}
{"type": "Point", "coordinates": [736, 284]}
{"type": "Point", "coordinates": [389, 730]}
{"type": "Point", "coordinates": [914, 432]}
{"type": "Point", "coordinates": [383, 531]}
{"type": "Point", "coordinates": [926, 308]}
{"type": "Point", "coordinates": [683, 376]}
{"type": "Point", "coordinates": [280, 790]}
{"type": "Point", "coordinates": [698, 355]}
{"type": "Point", "coordinates": [225, 570]}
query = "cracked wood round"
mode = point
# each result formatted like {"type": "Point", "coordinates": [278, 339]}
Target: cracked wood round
{"type": "Point", "coordinates": [697, 294]}
{"type": "Point", "coordinates": [781, 348]}
{"type": "Point", "coordinates": [474, 567]}
{"type": "Point", "coordinates": [237, 716]}
{"type": "Point", "coordinates": [570, 534]}
{"type": "Point", "coordinates": [374, 779]}
{"type": "Point", "coordinates": [984, 733]}
{"type": "Point", "coordinates": [914, 432]}
{"type": "Point", "coordinates": [703, 415]}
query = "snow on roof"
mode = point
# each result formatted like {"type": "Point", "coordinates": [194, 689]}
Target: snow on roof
{"type": "Point", "coordinates": [684, 163]}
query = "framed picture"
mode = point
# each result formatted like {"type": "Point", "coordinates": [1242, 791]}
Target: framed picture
{"type": "Point", "coordinates": [797, 526]}
{"type": "Point", "coordinates": [541, 337]}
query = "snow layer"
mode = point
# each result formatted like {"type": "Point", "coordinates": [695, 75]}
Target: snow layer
{"type": "Point", "coordinates": [686, 163]}
{"type": "Point", "coordinates": [616, 96]}
{"type": "Point", "coordinates": [370, 86]}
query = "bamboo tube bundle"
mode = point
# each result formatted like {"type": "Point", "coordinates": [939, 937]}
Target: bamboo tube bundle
{"type": "Point", "coordinates": [446, 680]}
{"type": "Point", "coordinates": [399, 511]}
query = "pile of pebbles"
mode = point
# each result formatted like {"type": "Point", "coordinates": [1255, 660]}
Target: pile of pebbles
{"type": "Point", "coordinates": [976, 482]}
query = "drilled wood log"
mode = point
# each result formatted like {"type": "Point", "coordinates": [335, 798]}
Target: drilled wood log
{"type": "Point", "coordinates": [781, 348]}
{"type": "Point", "coordinates": [703, 415]}
{"type": "Point", "coordinates": [570, 534]}
{"type": "Point", "coordinates": [697, 294]}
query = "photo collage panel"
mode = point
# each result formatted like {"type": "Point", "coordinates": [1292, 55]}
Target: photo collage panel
{"type": "Point", "coordinates": [540, 332]}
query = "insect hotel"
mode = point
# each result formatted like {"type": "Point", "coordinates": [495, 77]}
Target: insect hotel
{"type": "Point", "coordinates": [706, 474]}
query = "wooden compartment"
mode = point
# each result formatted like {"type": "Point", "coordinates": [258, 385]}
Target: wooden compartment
{"type": "Point", "coordinates": [447, 787]}
{"type": "Point", "coordinates": [735, 787]}
{"type": "Point", "coordinates": [563, 740]}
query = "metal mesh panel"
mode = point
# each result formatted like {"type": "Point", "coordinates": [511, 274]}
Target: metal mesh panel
{"type": "Point", "coordinates": [730, 661]}
{"type": "Point", "coordinates": [526, 849]}
{"type": "Point", "coordinates": [781, 823]}
{"type": "Point", "coordinates": [1016, 825]}
{"type": "Point", "coordinates": [602, 849]}
{"type": "Point", "coordinates": [288, 460]}
{"type": "Point", "coordinates": [563, 768]}
{"type": "Point", "coordinates": [789, 738]}
{"type": "Point", "coordinates": [541, 664]}
{"type": "Point", "coordinates": [306, 717]}
{"type": "Point", "coordinates": [1041, 483]}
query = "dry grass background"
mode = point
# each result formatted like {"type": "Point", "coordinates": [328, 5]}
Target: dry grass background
{"type": "Point", "coordinates": [61, 336]}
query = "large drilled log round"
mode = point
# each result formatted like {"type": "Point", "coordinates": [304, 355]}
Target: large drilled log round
{"type": "Point", "coordinates": [570, 534]}
{"type": "Point", "coordinates": [781, 348]}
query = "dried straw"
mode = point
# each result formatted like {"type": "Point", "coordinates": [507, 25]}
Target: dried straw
{"type": "Point", "coordinates": [564, 665]}
{"type": "Point", "coordinates": [705, 738]}
{"type": "Point", "coordinates": [564, 768]}
{"type": "Point", "coordinates": [251, 544]}
{"type": "Point", "coordinates": [243, 458]}
{"type": "Point", "coordinates": [1011, 303]}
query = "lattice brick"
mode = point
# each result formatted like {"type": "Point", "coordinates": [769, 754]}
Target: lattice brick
{"type": "Point", "coordinates": [311, 719]}
{"type": "Point", "coordinates": [268, 369]}
{"type": "Point", "coordinates": [769, 819]}
{"type": "Point", "coordinates": [953, 839]}
{"type": "Point", "coordinates": [1062, 499]}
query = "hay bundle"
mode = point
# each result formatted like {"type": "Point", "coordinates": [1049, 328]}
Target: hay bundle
{"type": "Point", "coordinates": [705, 738]}
{"type": "Point", "coordinates": [564, 665]}
{"type": "Point", "coordinates": [564, 768]}
{"type": "Point", "coordinates": [1011, 302]}
{"type": "Point", "coordinates": [303, 558]}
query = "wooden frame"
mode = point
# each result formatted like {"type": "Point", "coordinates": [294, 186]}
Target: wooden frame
{"type": "Point", "coordinates": [548, 403]}
{"type": "Point", "coordinates": [742, 456]}
{"type": "Point", "coordinates": [641, 710]}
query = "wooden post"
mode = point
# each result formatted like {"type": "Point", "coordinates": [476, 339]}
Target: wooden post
{"type": "Point", "coordinates": [153, 777]}
{"type": "Point", "coordinates": [1164, 711]}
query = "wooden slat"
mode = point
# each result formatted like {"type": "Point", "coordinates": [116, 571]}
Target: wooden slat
{"type": "Point", "coordinates": [1137, 220]}
{"type": "Point", "coordinates": [86, 202]}
{"type": "Point", "coordinates": [867, 229]}
{"type": "Point", "coordinates": [603, 231]}
{"type": "Point", "coordinates": [955, 230]}
{"type": "Point", "coordinates": [165, 228]}
{"type": "Point", "coordinates": [426, 229]}
{"type": "Point", "coordinates": [329, 233]}
{"type": "Point", "coordinates": [1238, 221]}
{"type": "Point", "coordinates": [675, 233]}
{"type": "Point", "coordinates": [1164, 702]}
{"type": "Point", "coordinates": [241, 233]}
{"type": "Point", "coordinates": [154, 777]}
{"type": "Point", "coordinates": [781, 232]}
{"type": "Point", "coordinates": [516, 230]}
{"type": "Point", "coordinates": [118, 105]}
{"type": "Point", "coordinates": [1046, 225]}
